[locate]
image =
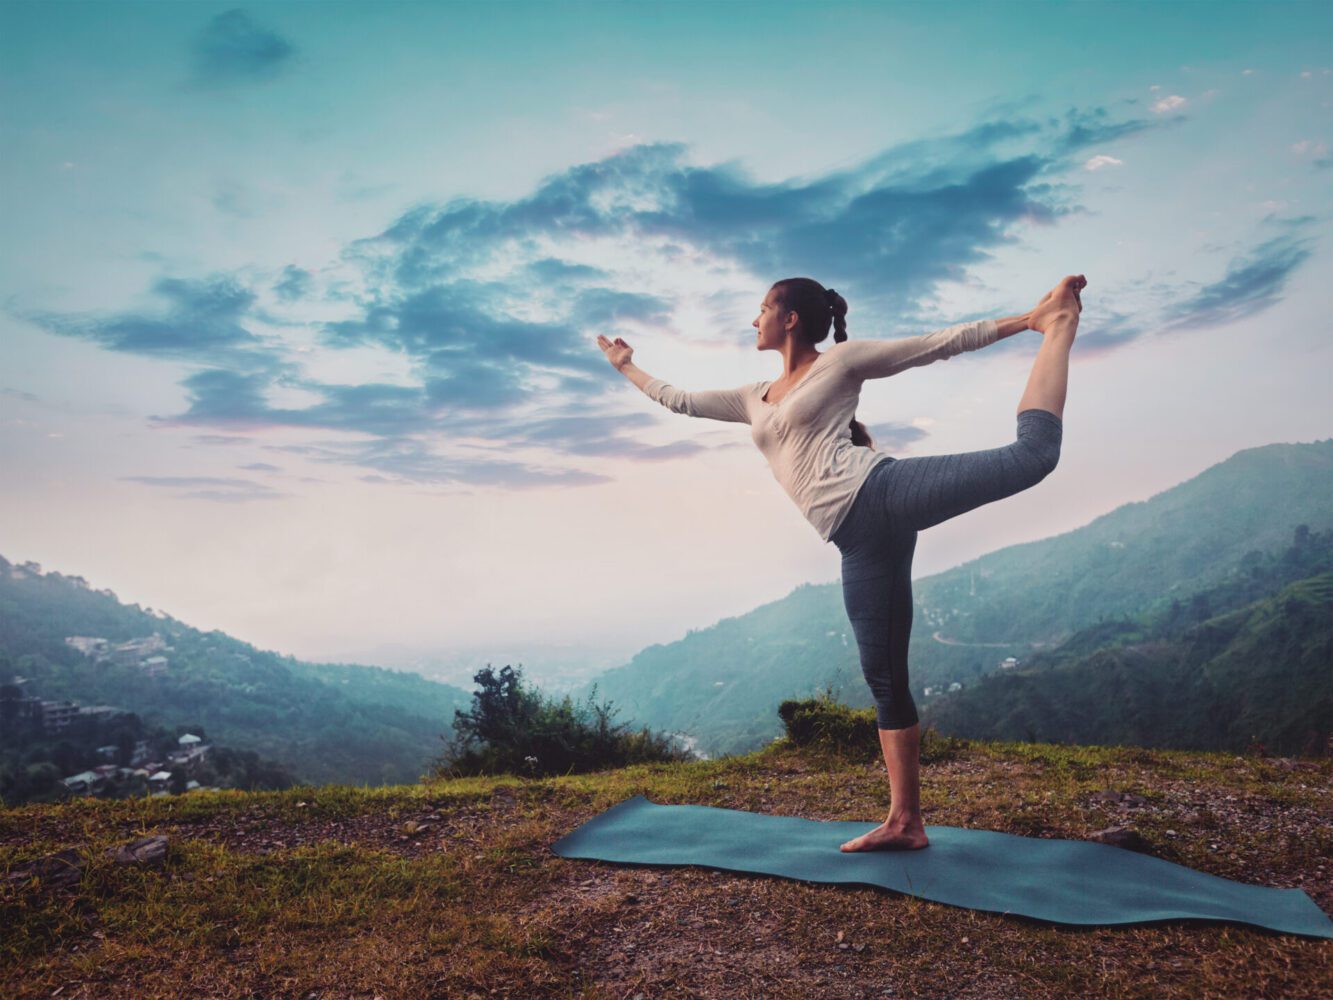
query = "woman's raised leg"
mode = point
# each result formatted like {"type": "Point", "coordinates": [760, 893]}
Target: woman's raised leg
{"type": "Point", "coordinates": [926, 490]}
{"type": "Point", "coordinates": [1049, 379]}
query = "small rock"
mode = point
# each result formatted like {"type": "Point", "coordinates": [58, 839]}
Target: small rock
{"type": "Point", "coordinates": [144, 851]}
{"type": "Point", "coordinates": [1122, 836]}
{"type": "Point", "coordinates": [60, 869]}
{"type": "Point", "coordinates": [1125, 800]}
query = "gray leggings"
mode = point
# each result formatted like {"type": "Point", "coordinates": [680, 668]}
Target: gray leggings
{"type": "Point", "coordinates": [878, 536]}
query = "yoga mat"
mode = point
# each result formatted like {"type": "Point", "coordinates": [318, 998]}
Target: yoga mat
{"type": "Point", "coordinates": [1063, 881]}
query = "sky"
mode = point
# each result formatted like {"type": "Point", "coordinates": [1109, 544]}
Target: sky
{"type": "Point", "coordinates": [299, 301]}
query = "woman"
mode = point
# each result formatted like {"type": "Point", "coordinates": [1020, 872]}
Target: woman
{"type": "Point", "coordinates": [870, 505]}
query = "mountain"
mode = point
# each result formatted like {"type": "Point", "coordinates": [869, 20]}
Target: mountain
{"type": "Point", "coordinates": [1258, 674]}
{"type": "Point", "coordinates": [722, 684]}
{"type": "Point", "coordinates": [322, 722]}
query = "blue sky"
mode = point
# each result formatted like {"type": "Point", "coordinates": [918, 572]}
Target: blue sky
{"type": "Point", "coordinates": [300, 300]}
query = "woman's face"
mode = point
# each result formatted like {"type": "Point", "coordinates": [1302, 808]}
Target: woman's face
{"type": "Point", "coordinates": [770, 323]}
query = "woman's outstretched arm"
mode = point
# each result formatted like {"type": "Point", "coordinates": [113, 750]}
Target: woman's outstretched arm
{"type": "Point", "coordinates": [716, 404]}
{"type": "Point", "coordinates": [882, 358]}
{"type": "Point", "coordinates": [1011, 325]}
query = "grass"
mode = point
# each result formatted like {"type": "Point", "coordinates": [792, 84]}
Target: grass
{"type": "Point", "coordinates": [448, 888]}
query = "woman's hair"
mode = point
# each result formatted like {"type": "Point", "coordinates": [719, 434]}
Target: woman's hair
{"type": "Point", "coordinates": [817, 307]}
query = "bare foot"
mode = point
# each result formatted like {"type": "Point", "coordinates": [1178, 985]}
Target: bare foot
{"type": "Point", "coordinates": [1060, 307]}
{"type": "Point", "coordinates": [890, 837]}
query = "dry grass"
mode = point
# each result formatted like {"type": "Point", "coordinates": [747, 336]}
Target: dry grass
{"type": "Point", "coordinates": [449, 889]}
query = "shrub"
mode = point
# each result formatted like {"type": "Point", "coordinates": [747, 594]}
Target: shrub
{"type": "Point", "coordinates": [824, 723]}
{"type": "Point", "coordinates": [514, 729]}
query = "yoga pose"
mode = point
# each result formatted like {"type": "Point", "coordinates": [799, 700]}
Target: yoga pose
{"type": "Point", "coordinates": [871, 505]}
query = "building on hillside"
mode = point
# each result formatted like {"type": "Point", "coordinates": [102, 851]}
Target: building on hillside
{"type": "Point", "coordinates": [158, 782]}
{"type": "Point", "coordinates": [103, 710]}
{"type": "Point", "coordinates": [56, 715]}
{"type": "Point", "coordinates": [88, 645]}
{"type": "Point", "coordinates": [154, 666]}
{"type": "Point", "coordinates": [108, 752]}
{"type": "Point", "coordinates": [84, 783]}
{"type": "Point", "coordinates": [135, 651]}
{"type": "Point", "coordinates": [188, 758]}
{"type": "Point", "coordinates": [1008, 663]}
{"type": "Point", "coordinates": [189, 740]}
{"type": "Point", "coordinates": [141, 752]}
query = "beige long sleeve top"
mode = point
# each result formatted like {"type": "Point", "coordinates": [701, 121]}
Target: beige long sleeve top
{"type": "Point", "coordinates": [806, 435]}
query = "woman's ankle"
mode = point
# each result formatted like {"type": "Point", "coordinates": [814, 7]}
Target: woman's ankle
{"type": "Point", "coordinates": [904, 818]}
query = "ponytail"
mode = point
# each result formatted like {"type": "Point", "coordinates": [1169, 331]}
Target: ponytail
{"type": "Point", "coordinates": [838, 307]}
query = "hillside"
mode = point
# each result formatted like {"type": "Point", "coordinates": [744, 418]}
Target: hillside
{"type": "Point", "coordinates": [449, 889]}
{"type": "Point", "coordinates": [322, 722]}
{"type": "Point", "coordinates": [722, 684]}
{"type": "Point", "coordinates": [1260, 673]}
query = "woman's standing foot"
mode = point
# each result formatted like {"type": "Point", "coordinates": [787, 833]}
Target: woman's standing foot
{"type": "Point", "coordinates": [891, 836]}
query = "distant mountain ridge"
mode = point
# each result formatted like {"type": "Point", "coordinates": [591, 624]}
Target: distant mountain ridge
{"type": "Point", "coordinates": [1258, 674]}
{"type": "Point", "coordinates": [323, 722]}
{"type": "Point", "coordinates": [722, 684]}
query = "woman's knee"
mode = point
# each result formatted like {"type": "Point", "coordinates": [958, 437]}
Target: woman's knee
{"type": "Point", "coordinates": [897, 712]}
{"type": "Point", "coordinates": [1040, 433]}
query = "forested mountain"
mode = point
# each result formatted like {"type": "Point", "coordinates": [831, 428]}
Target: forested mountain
{"type": "Point", "coordinates": [1134, 606]}
{"type": "Point", "coordinates": [1260, 674]}
{"type": "Point", "coordinates": [321, 722]}
{"type": "Point", "coordinates": [722, 684]}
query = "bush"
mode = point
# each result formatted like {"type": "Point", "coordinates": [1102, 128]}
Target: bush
{"type": "Point", "coordinates": [824, 723]}
{"type": "Point", "coordinates": [514, 729]}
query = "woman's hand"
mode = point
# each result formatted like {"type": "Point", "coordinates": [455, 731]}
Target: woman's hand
{"type": "Point", "coordinates": [1061, 303]}
{"type": "Point", "coordinates": [617, 351]}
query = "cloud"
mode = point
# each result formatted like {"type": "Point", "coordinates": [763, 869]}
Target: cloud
{"type": "Point", "coordinates": [1169, 103]}
{"type": "Point", "coordinates": [209, 488]}
{"type": "Point", "coordinates": [203, 322]}
{"type": "Point", "coordinates": [1251, 284]}
{"type": "Point", "coordinates": [259, 467]}
{"type": "Point", "coordinates": [294, 285]}
{"type": "Point", "coordinates": [1100, 161]}
{"type": "Point", "coordinates": [492, 305]}
{"type": "Point", "coordinates": [216, 439]}
{"type": "Point", "coordinates": [407, 460]}
{"type": "Point", "coordinates": [232, 48]}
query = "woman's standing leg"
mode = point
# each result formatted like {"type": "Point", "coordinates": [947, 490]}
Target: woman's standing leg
{"type": "Point", "coordinates": [877, 593]}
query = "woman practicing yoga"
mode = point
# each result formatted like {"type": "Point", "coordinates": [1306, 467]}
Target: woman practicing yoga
{"type": "Point", "coordinates": [871, 505]}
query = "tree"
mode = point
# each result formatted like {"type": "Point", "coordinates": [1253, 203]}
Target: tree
{"type": "Point", "coordinates": [512, 728]}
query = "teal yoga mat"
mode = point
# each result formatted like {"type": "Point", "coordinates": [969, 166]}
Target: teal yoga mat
{"type": "Point", "coordinates": [1063, 881]}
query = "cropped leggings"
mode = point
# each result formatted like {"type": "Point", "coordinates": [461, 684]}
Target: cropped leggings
{"type": "Point", "coordinates": [878, 536]}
